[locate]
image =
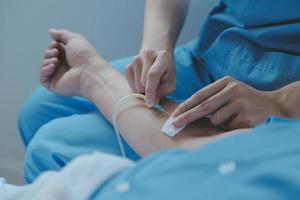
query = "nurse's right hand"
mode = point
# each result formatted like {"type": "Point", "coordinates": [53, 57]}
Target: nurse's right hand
{"type": "Point", "coordinates": [152, 73]}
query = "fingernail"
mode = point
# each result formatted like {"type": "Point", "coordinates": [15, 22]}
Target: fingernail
{"type": "Point", "coordinates": [149, 103]}
{"type": "Point", "coordinates": [174, 114]}
{"type": "Point", "coordinates": [175, 123]}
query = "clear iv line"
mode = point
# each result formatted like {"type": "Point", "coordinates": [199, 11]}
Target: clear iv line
{"type": "Point", "coordinates": [115, 113]}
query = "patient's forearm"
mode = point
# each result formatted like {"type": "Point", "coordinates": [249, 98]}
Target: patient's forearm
{"type": "Point", "coordinates": [139, 125]}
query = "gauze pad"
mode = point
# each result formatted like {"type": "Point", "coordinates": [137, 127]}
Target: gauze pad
{"type": "Point", "coordinates": [169, 129]}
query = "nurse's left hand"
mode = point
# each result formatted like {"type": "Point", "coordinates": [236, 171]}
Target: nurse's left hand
{"type": "Point", "coordinates": [228, 103]}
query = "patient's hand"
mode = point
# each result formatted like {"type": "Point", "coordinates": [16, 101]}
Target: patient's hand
{"type": "Point", "coordinates": [68, 56]}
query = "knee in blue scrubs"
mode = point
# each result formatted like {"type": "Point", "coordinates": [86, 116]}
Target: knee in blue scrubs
{"type": "Point", "coordinates": [43, 106]}
{"type": "Point", "coordinates": [56, 129]}
{"type": "Point", "coordinates": [62, 139]}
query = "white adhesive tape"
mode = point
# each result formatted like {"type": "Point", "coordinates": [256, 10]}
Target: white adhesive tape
{"type": "Point", "coordinates": [169, 129]}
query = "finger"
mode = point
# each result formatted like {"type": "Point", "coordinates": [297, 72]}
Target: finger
{"type": "Point", "coordinates": [188, 117]}
{"type": "Point", "coordinates": [53, 45]}
{"type": "Point", "coordinates": [238, 122]}
{"type": "Point", "coordinates": [224, 114]}
{"type": "Point", "coordinates": [50, 53]}
{"type": "Point", "coordinates": [199, 97]}
{"type": "Point", "coordinates": [48, 61]}
{"type": "Point", "coordinates": [47, 72]}
{"type": "Point", "coordinates": [148, 58]}
{"type": "Point", "coordinates": [153, 80]}
{"type": "Point", "coordinates": [137, 70]}
{"type": "Point", "coordinates": [207, 107]}
{"type": "Point", "coordinates": [61, 35]}
{"type": "Point", "coordinates": [215, 102]}
{"type": "Point", "coordinates": [62, 47]}
{"type": "Point", "coordinates": [130, 77]}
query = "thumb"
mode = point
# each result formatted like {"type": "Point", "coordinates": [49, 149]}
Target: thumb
{"type": "Point", "coordinates": [62, 36]}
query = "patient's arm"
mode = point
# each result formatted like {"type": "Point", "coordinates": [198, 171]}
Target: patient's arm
{"type": "Point", "coordinates": [73, 67]}
{"type": "Point", "coordinates": [139, 125]}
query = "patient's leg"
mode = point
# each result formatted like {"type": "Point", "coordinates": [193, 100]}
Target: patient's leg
{"type": "Point", "coordinates": [139, 125]}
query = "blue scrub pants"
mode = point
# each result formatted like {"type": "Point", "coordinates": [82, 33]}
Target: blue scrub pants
{"type": "Point", "coordinates": [56, 129]}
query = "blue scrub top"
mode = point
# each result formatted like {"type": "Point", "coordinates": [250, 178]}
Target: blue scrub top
{"type": "Point", "coordinates": [254, 41]}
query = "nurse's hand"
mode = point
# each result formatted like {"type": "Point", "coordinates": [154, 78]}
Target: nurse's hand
{"type": "Point", "coordinates": [67, 57]}
{"type": "Point", "coordinates": [152, 73]}
{"type": "Point", "coordinates": [228, 103]}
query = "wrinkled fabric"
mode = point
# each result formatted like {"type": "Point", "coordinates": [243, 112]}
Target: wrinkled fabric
{"type": "Point", "coordinates": [253, 41]}
{"type": "Point", "coordinates": [77, 181]}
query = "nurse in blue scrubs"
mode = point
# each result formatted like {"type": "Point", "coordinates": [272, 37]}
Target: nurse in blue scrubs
{"type": "Point", "coordinates": [239, 69]}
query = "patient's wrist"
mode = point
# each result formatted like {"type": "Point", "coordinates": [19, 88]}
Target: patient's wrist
{"type": "Point", "coordinates": [91, 76]}
{"type": "Point", "coordinates": [101, 79]}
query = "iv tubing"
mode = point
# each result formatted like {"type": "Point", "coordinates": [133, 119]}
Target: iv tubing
{"type": "Point", "coordinates": [115, 113]}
